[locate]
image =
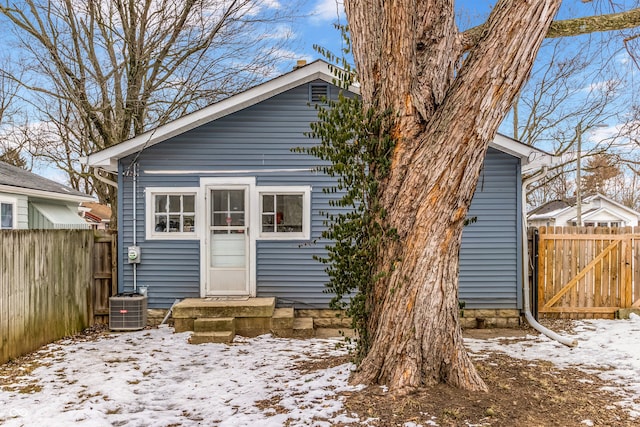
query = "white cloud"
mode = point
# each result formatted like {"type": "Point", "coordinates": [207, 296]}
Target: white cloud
{"type": "Point", "coordinates": [328, 10]}
{"type": "Point", "coordinates": [272, 4]}
{"type": "Point", "coordinates": [279, 32]}
{"type": "Point", "coordinates": [603, 86]}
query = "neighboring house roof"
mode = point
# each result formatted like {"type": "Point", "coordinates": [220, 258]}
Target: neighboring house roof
{"type": "Point", "coordinates": [549, 209]}
{"type": "Point", "coordinates": [556, 208]}
{"type": "Point", "coordinates": [19, 181]}
{"type": "Point", "coordinates": [97, 211]}
{"type": "Point", "coordinates": [107, 159]}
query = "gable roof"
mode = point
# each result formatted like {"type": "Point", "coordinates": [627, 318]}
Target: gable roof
{"type": "Point", "coordinates": [99, 211]}
{"type": "Point", "coordinates": [19, 181]}
{"type": "Point", "coordinates": [554, 208]}
{"type": "Point", "coordinates": [107, 159]}
{"type": "Point", "coordinates": [627, 209]}
{"type": "Point", "coordinates": [550, 207]}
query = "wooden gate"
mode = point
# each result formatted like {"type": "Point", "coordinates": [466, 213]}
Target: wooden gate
{"type": "Point", "coordinates": [105, 274]}
{"type": "Point", "coordinates": [587, 272]}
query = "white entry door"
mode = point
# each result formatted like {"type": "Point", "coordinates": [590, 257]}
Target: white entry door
{"type": "Point", "coordinates": [228, 241]}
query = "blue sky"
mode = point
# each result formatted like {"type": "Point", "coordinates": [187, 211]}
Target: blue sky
{"type": "Point", "coordinates": [317, 28]}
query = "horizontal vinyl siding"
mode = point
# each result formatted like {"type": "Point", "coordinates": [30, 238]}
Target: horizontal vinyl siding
{"type": "Point", "coordinates": [256, 138]}
{"type": "Point", "coordinates": [260, 138]}
{"type": "Point", "coordinates": [286, 269]}
{"type": "Point", "coordinates": [489, 271]}
{"type": "Point", "coordinates": [170, 269]}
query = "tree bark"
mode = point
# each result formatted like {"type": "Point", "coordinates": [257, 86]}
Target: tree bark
{"type": "Point", "coordinates": [406, 54]}
{"type": "Point", "coordinates": [573, 27]}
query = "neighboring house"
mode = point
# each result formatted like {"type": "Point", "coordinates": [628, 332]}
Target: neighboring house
{"type": "Point", "coordinates": [97, 215]}
{"type": "Point", "coordinates": [29, 201]}
{"type": "Point", "coordinates": [597, 211]}
{"type": "Point", "coordinates": [220, 206]}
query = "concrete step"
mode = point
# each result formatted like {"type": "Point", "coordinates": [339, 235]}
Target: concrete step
{"type": "Point", "coordinates": [253, 326]}
{"type": "Point", "coordinates": [282, 318]}
{"type": "Point", "coordinates": [221, 337]}
{"type": "Point", "coordinates": [194, 308]}
{"type": "Point", "coordinates": [218, 324]}
{"type": "Point", "coordinates": [303, 327]}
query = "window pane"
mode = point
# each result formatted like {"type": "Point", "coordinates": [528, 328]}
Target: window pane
{"type": "Point", "coordinates": [174, 204]}
{"type": "Point", "coordinates": [267, 203]}
{"type": "Point", "coordinates": [189, 223]}
{"type": "Point", "coordinates": [188, 204]}
{"type": "Point", "coordinates": [174, 223]}
{"type": "Point", "coordinates": [237, 219]}
{"type": "Point", "coordinates": [217, 200]}
{"type": "Point", "coordinates": [161, 203]}
{"type": "Point", "coordinates": [289, 213]}
{"type": "Point", "coordinates": [161, 223]}
{"type": "Point", "coordinates": [6, 213]}
{"type": "Point", "coordinates": [219, 219]}
{"type": "Point", "coordinates": [236, 200]}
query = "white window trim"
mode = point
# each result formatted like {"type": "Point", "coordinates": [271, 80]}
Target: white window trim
{"type": "Point", "coordinates": [305, 190]}
{"type": "Point", "coordinates": [14, 202]}
{"type": "Point", "coordinates": [151, 234]}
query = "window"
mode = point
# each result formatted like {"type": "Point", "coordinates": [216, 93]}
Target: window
{"type": "Point", "coordinates": [7, 215]}
{"type": "Point", "coordinates": [285, 212]}
{"type": "Point", "coordinates": [171, 213]}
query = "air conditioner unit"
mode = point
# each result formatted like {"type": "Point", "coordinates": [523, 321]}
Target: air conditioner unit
{"type": "Point", "coordinates": [127, 312]}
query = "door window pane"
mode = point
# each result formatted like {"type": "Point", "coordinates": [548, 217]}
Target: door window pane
{"type": "Point", "coordinates": [228, 208]}
{"type": "Point", "coordinates": [236, 200]}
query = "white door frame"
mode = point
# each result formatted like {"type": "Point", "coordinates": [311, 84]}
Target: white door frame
{"type": "Point", "coordinates": [252, 224]}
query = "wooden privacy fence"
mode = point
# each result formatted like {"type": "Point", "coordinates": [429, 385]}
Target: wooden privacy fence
{"type": "Point", "coordinates": [52, 283]}
{"type": "Point", "coordinates": [587, 272]}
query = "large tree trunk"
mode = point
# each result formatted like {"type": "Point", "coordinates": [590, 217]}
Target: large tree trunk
{"type": "Point", "coordinates": [406, 54]}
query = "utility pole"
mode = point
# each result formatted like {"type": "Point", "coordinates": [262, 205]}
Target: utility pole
{"type": "Point", "coordinates": [579, 170]}
{"type": "Point", "coordinates": [578, 176]}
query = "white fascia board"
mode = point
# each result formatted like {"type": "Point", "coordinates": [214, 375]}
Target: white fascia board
{"type": "Point", "coordinates": [46, 194]}
{"type": "Point", "coordinates": [531, 157]}
{"type": "Point", "coordinates": [318, 70]}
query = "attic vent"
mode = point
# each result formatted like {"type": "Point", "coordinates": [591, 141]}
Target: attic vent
{"type": "Point", "coordinates": [318, 93]}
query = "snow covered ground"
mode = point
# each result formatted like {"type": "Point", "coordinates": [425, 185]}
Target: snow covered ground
{"type": "Point", "coordinates": [608, 348]}
{"type": "Point", "coordinates": [154, 378]}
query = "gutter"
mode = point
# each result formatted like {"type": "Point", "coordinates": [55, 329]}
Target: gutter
{"type": "Point", "coordinates": [525, 257]}
{"type": "Point", "coordinates": [12, 189]}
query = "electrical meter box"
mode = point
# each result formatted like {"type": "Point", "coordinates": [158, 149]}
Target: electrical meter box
{"type": "Point", "coordinates": [133, 254]}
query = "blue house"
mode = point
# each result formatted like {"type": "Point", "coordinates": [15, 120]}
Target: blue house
{"type": "Point", "coordinates": [217, 204]}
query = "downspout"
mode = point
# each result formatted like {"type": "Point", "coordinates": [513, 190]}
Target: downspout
{"type": "Point", "coordinates": [525, 256]}
{"type": "Point", "coordinates": [135, 223]}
